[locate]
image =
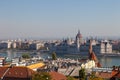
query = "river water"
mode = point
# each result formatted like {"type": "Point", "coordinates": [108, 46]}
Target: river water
{"type": "Point", "coordinates": [106, 61]}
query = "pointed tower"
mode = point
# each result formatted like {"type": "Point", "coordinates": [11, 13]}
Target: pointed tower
{"type": "Point", "coordinates": [90, 47]}
{"type": "Point", "coordinates": [78, 39]}
{"type": "Point", "coordinates": [92, 55]}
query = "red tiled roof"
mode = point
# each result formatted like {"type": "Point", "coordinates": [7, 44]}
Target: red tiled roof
{"type": "Point", "coordinates": [118, 75]}
{"type": "Point", "coordinates": [114, 72]}
{"type": "Point", "coordinates": [93, 57]}
{"type": "Point", "coordinates": [99, 65]}
{"type": "Point", "coordinates": [16, 72]}
{"type": "Point", "coordinates": [57, 76]}
{"type": "Point", "coordinates": [104, 75]}
{"type": "Point", "coordinates": [107, 75]}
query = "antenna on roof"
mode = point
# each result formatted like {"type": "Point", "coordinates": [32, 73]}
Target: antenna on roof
{"type": "Point", "coordinates": [5, 73]}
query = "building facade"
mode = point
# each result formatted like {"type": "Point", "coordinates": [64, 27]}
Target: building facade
{"type": "Point", "coordinates": [81, 46]}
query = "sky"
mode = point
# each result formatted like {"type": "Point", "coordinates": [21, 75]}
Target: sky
{"type": "Point", "coordinates": [59, 18]}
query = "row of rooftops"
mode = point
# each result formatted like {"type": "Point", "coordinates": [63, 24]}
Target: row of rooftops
{"type": "Point", "coordinates": [24, 73]}
{"type": "Point", "coordinates": [67, 71]}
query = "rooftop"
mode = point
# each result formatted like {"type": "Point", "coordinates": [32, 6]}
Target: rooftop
{"type": "Point", "coordinates": [57, 76]}
{"type": "Point", "coordinates": [15, 72]}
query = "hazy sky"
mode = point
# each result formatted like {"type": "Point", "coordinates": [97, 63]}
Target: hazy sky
{"type": "Point", "coordinates": [59, 18]}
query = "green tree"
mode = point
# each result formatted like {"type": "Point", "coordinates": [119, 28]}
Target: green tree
{"type": "Point", "coordinates": [26, 56]}
{"type": "Point", "coordinates": [41, 76]}
{"type": "Point", "coordinates": [54, 57]}
{"type": "Point", "coordinates": [82, 75]}
{"type": "Point", "coordinates": [93, 77]}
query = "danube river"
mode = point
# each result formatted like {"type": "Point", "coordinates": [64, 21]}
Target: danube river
{"type": "Point", "coordinates": [106, 61]}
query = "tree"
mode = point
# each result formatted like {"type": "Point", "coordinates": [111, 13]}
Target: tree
{"type": "Point", "coordinates": [82, 74]}
{"type": "Point", "coordinates": [41, 76]}
{"type": "Point", "coordinates": [93, 77]}
{"type": "Point", "coordinates": [54, 57]}
{"type": "Point", "coordinates": [26, 56]}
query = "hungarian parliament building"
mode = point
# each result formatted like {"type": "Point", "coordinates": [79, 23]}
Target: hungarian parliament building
{"type": "Point", "coordinates": [80, 46]}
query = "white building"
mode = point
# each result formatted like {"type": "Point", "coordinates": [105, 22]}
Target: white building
{"type": "Point", "coordinates": [36, 46]}
{"type": "Point", "coordinates": [98, 48]}
{"type": "Point", "coordinates": [103, 47]}
{"type": "Point", "coordinates": [9, 44]}
{"type": "Point", "coordinates": [14, 45]}
{"type": "Point", "coordinates": [89, 64]}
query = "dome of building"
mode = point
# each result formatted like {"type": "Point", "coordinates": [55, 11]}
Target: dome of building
{"type": "Point", "coordinates": [79, 35]}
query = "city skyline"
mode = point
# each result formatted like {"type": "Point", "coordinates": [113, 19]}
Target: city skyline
{"type": "Point", "coordinates": [58, 19]}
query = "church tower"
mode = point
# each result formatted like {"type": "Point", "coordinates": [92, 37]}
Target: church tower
{"type": "Point", "coordinates": [78, 40]}
{"type": "Point", "coordinates": [92, 55]}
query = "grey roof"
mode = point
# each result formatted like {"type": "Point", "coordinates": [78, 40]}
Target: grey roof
{"type": "Point", "coordinates": [68, 71]}
{"type": "Point", "coordinates": [62, 70]}
{"type": "Point", "coordinates": [75, 72]}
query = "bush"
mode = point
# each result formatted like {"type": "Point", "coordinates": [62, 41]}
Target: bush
{"type": "Point", "coordinates": [54, 57]}
{"type": "Point", "coordinates": [70, 78]}
{"type": "Point", "coordinates": [41, 76]}
{"type": "Point", "coordinates": [26, 56]}
{"type": "Point", "coordinates": [82, 75]}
